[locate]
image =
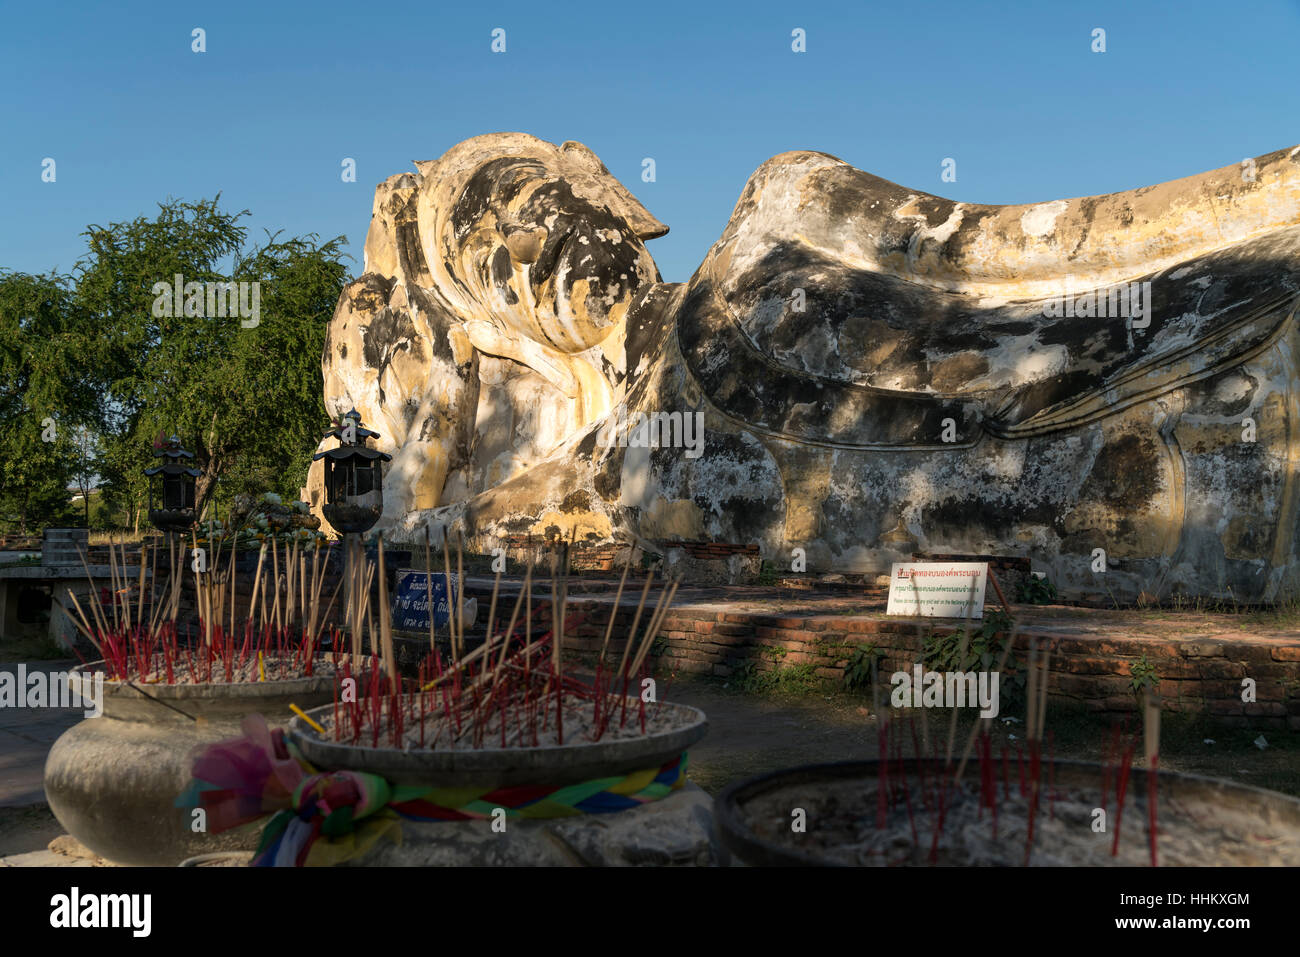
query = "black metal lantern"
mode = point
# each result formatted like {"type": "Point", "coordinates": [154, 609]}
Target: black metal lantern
{"type": "Point", "coordinates": [354, 477]}
{"type": "Point", "coordinates": [171, 487]}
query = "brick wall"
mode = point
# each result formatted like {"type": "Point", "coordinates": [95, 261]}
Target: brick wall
{"type": "Point", "coordinates": [1196, 676]}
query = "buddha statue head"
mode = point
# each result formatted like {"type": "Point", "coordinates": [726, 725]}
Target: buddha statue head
{"type": "Point", "coordinates": [532, 242]}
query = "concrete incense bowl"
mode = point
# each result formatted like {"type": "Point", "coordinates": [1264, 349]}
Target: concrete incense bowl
{"type": "Point", "coordinates": [112, 780]}
{"type": "Point", "coordinates": [672, 730]}
{"type": "Point", "coordinates": [676, 829]}
{"type": "Point", "coordinates": [828, 815]}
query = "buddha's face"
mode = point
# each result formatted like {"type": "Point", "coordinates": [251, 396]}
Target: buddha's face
{"type": "Point", "coordinates": [549, 252]}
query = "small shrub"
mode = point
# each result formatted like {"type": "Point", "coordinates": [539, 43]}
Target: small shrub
{"type": "Point", "coordinates": [942, 653]}
{"type": "Point", "coordinates": [1036, 591]}
{"type": "Point", "coordinates": [857, 673]}
{"type": "Point", "coordinates": [1142, 675]}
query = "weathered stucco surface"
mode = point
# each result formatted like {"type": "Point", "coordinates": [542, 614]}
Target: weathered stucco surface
{"type": "Point", "coordinates": [877, 372]}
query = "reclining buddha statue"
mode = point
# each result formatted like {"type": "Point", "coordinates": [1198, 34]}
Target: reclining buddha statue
{"type": "Point", "coordinates": [1107, 387]}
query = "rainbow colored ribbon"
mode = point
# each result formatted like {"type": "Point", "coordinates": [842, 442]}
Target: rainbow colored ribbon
{"type": "Point", "coordinates": [325, 818]}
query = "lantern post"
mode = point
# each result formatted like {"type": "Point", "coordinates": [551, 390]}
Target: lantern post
{"type": "Point", "coordinates": [354, 500]}
{"type": "Point", "coordinates": [171, 496]}
{"type": "Point", "coordinates": [171, 487]}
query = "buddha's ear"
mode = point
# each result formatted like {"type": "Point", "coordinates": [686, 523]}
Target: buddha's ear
{"type": "Point", "coordinates": [609, 190]}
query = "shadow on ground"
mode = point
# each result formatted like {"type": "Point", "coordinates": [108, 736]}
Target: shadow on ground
{"type": "Point", "coordinates": [751, 734]}
{"type": "Point", "coordinates": [24, 830]}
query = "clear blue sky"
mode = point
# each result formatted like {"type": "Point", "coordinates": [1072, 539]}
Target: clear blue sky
{"type": "Point", "coordinates": [286, 90]}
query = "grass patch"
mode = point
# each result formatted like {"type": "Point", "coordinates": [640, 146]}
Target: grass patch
{"type": "Point", "coordinates": [1233, 754]}
{"type": "Point", "coordinates": [787, 680]}
{"type": "Point", "coordinates": [1285, 617]}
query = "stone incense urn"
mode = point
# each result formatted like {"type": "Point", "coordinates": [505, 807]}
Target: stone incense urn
{"type": "Point", "coordinates": [675, 830]}
{"type": "Point", "coordinates": [1199, 821]}
{"type": "Point", "coordinates": [112, 781]}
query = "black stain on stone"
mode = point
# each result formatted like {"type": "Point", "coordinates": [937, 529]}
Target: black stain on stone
{"type": "Point", "coordinates": [754, 388]}
{"type": "Point", "coordinates": [608, 481]}
{"type": "Point", "coordinates": [439, 323]}
{"type": "Point", "coordinates": [501, 269]}
{"type": "Point", "coordinates": [1126, 474]}
{"type": "Point", "coordinates": [388, 332]}
{"type": "Point", "coordinates": [480, 193]}
{"type": "Point", "coordinates": [961, 520]}
{"type": "Point", "coordinates": [576, 501]}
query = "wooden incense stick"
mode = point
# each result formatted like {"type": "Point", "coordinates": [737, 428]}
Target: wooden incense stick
{"type": "Point", "coordinates": [386, 620]}
{"type": "Point", "coordinates": [1150, 728]}
{"type": "Point", "coordinates": [961, 664]}
{"type": "Point", "coordinates": [451, 611]}
{"type": "Point", "coordinates": [1031, 691]}
{"type": "Point", "coordinates": [275, 579]}
{"type": "Point", "coordinates": [1002, 661]}
{"type": "Point", "coordinates": [230, 575]}
{"type": "Point", "coordinates": [656, 624]}
{"type": "Point", "coordinates": [257, 583]}
{"type": "Point", "coordinates": [1041, 712]}
{"type": "Point", "coordinates": [492, 608]}
{"type": "Point", "coordinates": [609, 627]}
{"type": "Point", "coordinates": [139, 607]}
{"type": "Point", "coordinates": [428, 591]}
{"type": "Point", "coordinates": [460, 589]}
{"type": "Point", "coordinates": [328, 610]}
{"type": "Point", "coordinates": [631, 632]}
{"type": "Point", "coordinates": [1151, 748]}
{"type": "Point", "coordinates": [84, 625]}
{"type": "Point", "coordinates": [96, 608]}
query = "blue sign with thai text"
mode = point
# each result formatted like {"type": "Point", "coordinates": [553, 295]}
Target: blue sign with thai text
{"type": "Point", "coordinates": [411, 600]}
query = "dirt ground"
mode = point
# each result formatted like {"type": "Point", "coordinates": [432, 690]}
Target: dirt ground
{"type": "Point", "coordinates": [753, 733]}
{"type": "Point", "coordinates": [750, 734]}
{"type": "Point", "coordinates": [26, 829]}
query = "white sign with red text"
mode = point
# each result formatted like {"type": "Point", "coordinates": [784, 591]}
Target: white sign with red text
{"type": "Point", "coordinates": [938, 589]}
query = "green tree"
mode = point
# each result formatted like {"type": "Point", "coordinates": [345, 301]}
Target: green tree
{"type": "Point", "coordinates": [47, 394]}
{"type": "Point", "coordinates": [84, 451]}
{"type": "Point", "coordinates": [245, 398]}
{"type": "Point", "coordinates": [33, 483]}
{"type": "Point", "coordinates": [91, 352]}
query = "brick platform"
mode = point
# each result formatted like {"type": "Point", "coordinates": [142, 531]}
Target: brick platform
{"type": "Point", "coordinates": [1200, 659]}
